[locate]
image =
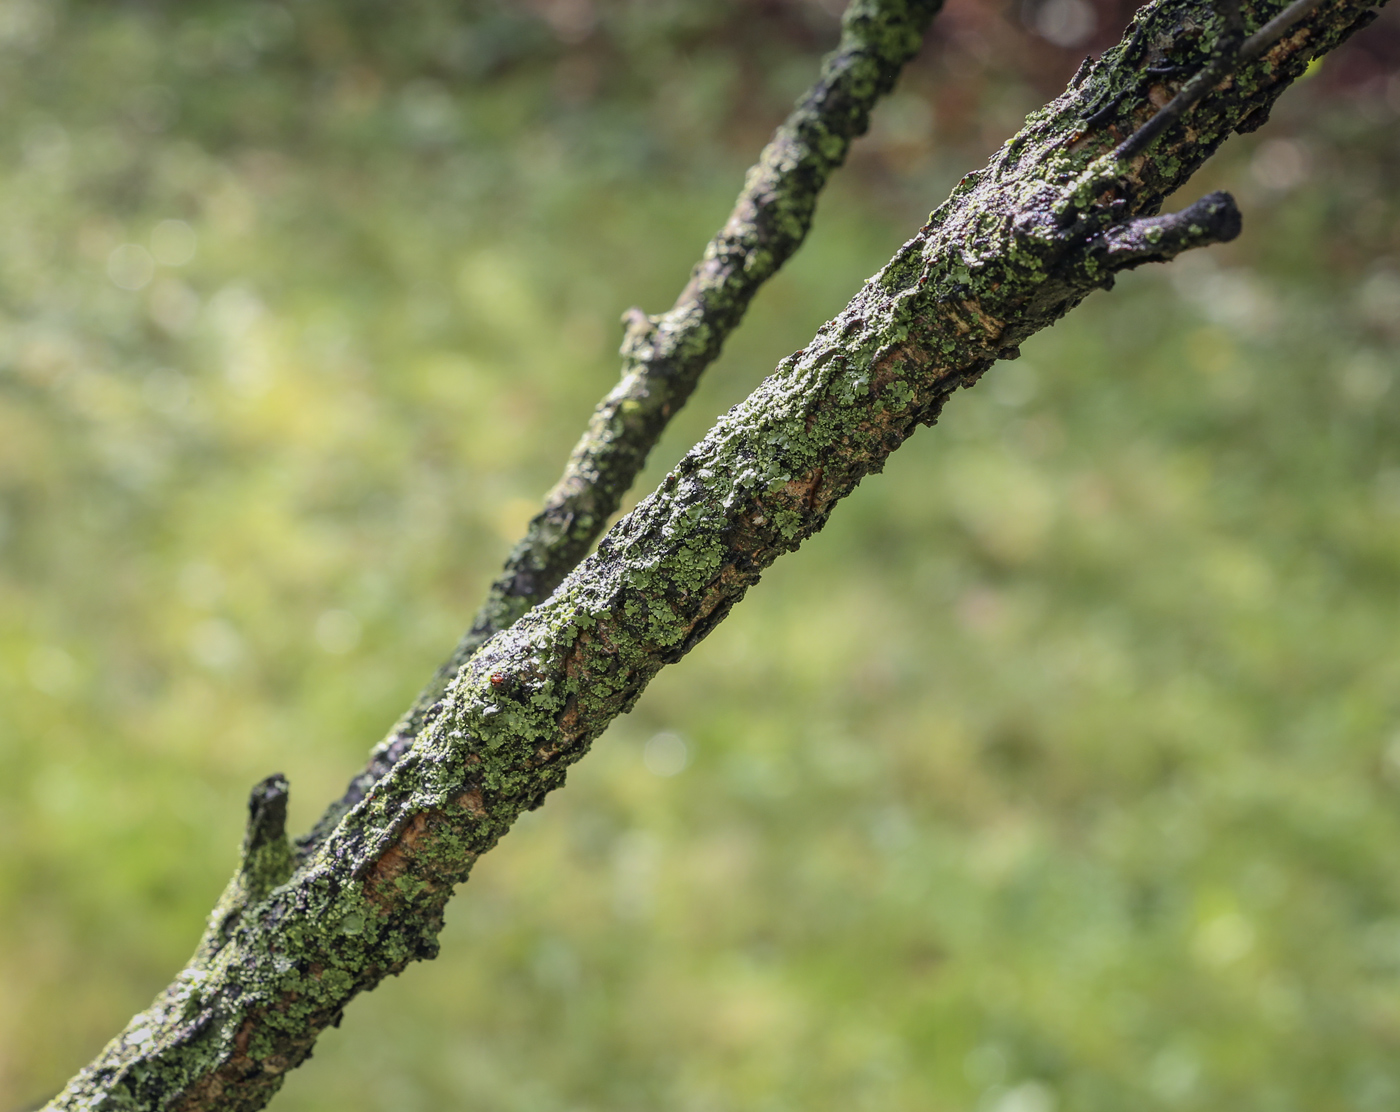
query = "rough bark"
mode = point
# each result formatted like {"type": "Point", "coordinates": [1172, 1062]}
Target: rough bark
{"type": "Point", "coordinates": [664, 356]}
{"type": "Point", "coordinates": [1055, 214]}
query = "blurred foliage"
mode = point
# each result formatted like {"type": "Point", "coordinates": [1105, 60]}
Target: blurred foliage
{"type": "Point", "coordinates": [1060, 773]}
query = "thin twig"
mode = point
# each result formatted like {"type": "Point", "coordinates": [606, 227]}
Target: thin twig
{"type": "Point", "coordinates": [1274, 30]}
{"type": "Point", "coordinates": [1225, 62]}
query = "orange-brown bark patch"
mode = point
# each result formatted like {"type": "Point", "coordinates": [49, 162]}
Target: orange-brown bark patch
{"type": "Point", "coordinates": [802, 490]}
{"type": "Point", "coordinates": [992, 327]}
{"type": "Point", "coordinates": [205, 1093]}
{"type": "Point", "coordinates": [573, 662]}
{"type": "Point", "coordinates": [887, 368]}
{"type": "Point", "coordinates": [721, 588]}
{"type": "Point", "coordinates": [394, 861]}
{"type": "Point", "coordinates": [568, 719]}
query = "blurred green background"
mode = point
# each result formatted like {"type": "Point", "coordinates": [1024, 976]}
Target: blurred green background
{"type": "Point", "coordinates": [1061, 772]}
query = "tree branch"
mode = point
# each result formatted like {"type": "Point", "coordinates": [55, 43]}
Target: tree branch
{"type": "Point", "coordinates": [994, 264]}
{"type": "Point", "coordinates": [664, 356]}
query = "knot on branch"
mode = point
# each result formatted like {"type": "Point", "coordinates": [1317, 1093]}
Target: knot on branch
{"type": "Point", "coordinates": [266, 857]}
{"type": "Point", "coordinates": [1215, 218]}
{"type": "Point", "coordinates": [639, 329]}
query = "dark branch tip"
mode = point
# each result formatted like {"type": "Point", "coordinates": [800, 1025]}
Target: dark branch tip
{"type": "Point", "coordinates": [267, 813]}
{"type": "Point", "coordinates": [1215, 218]}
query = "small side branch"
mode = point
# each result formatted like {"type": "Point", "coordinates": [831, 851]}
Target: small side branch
{"type": "Point", "coordinates": [1276, 28]}
{"type": "Point", "coordinates": [1215, 218]}
{"type": "Point", "coordinates": [264, 862]}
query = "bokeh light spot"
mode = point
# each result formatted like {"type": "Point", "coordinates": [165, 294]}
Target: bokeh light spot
{"type": "Point", "coordinates": [52, 670]}
{"type": "Point", "coordinates": [173, 243]}
{"type": "Point", "coordinates": [666, 754]}
{"type": "Point", "coordinates": [130, 267]}
{"type": "Point", "coordinates": [216, 645]}
{"type": "Point", "coordinates": [1065, 23]}
{"type": "Point", "coordinates": [338, 631]}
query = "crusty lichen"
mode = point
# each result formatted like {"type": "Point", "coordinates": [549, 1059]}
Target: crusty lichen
{"type": "Point", "coordinates": [1017, 245]}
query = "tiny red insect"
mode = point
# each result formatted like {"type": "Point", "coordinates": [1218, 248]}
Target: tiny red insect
{"type": "Point", "coordinates": [497, 679]}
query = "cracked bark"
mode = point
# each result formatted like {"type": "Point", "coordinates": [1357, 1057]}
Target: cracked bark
{"type": "Point", "coordinates": [1053, 216]}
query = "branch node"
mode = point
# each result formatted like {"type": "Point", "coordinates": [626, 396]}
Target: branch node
{"type": "Point", "coordinates": [267, 815]}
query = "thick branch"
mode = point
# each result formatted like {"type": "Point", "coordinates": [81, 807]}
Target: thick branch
{"type": "Point", "coordinates": [994, 264]}
{"type": "Point", "coordinates": [664, 357]}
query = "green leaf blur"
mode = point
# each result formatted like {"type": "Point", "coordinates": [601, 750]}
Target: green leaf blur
{"type": "Point", "coordinates": [1060, 773]}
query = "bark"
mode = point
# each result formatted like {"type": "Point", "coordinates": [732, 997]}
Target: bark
{"type": "Point", "coordinates": [1056, 214]}
{"type": "Point", "coordinates": [664, 356]}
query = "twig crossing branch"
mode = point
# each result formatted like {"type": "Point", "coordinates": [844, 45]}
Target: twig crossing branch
{"type": "Point", "coordinates": [1233, 51]}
